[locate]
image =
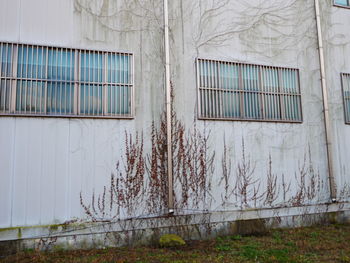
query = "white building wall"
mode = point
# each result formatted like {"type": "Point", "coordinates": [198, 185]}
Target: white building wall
{"type": "Point", "coordinates": [337, 47]}
{"type": "Point", "coordinates": [275, 33]}
{"type": "Point", "coordinates": [46, 162]}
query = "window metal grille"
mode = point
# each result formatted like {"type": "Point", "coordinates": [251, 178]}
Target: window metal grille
{"type": "Point", "coordinates": [52, 81]}
{"type": "Point", "coordinates": [237, 91]}
{"type": "Point", "coordinates": [346, 95]}
{"type": "Point", "coordinates": [345, 3]}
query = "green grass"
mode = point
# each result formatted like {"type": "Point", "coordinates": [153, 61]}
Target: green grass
{"type": "Point", "coordinates": [315, 244]}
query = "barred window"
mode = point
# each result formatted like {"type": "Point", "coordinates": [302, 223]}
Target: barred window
{"type": "Point", "coordinates": [237, 91]}
{"type": "Point", "coordinates": [346, 95]}
{"type": "Point", "coordinates": [51, 81]}
{"type": "Point", "coordinates": [345, 3]}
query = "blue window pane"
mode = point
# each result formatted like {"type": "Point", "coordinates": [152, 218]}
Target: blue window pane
{"type": "Point", "coordinates": [347, 110]}
{"type": "Point", "coordinates": [229, 80]}
{"type": "Point", "coordinates": [342, 2]}
{"type": "Point", "coordinates": [60, 98]}
{"type": "Point", "coordinates": [91, 67]}
{"type": "Point", "coordinates": [60, 64]}
{"type": "Point", "coordinates": [229, 74]}
{"type": "Point", "coordinates": [346, 87]}
{"type": "Point", "coordinates": [209, 74]}
{"type": "Point", "coordinates": [250, 75]}
{"type": "Point", "coordinates": [6, 60]}
{"type": "Point", "coordinates": [118, 100]}
{"type": "Point", "coordinates": [91, 70]}
{"type": "Point", "coordinates": [231, 104]}
{"type": "Point", "coordinates": [289, 83]}
{"type": "Point", "coordinates": [5, 71]}
{"type": "Point", "coordinates": [118, 68]}
{"type": "Point", "coordinates": [4, 94]}
{"type": "Point", "coordinates": [270, 80]}
{"type": "Point", "coordinates": [30, 96]}
{"type": "Point", "coordinates": [91, 99]}
{"type": "Point", "coordinates": [270, 85]}
{"type": "Point", "coordinates": [252, 105]}
{"type": "Point", "coordinates": [31, 62]}
{"type": "Point", "coordinates": [292, 107]}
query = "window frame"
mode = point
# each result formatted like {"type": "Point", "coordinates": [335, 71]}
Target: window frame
{"type": "Point", "coordinates": [76, 82]}
{"type": "Point", "coordinates": [347, 75]}
{"type": "Point", "coordinates": [342, 6]}
{"type": "Point", "coordinates": [244, 118]}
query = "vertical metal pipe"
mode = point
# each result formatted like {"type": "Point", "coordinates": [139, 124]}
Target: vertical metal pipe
{"type": "Point", "coordinates": [168, 108]}
{"type": "Point", "coordinates": [328, 128]}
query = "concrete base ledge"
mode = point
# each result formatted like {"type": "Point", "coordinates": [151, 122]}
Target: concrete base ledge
{"type": "Point", "coordinates": [143, 231]}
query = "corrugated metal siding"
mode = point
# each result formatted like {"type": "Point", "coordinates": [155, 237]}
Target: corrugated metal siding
{"type": "Point", "coordinates": [50, 162]}
{"type": "Point", "coordinates": [45, 163]}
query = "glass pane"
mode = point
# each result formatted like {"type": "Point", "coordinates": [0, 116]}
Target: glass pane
{"type": "Point", "coordinates": [209, 74]}
{"type": "Point", "coordinates": [250, 75]}
{"type": "Point", "coordinates": [292, 108]}
{"type": "Point", "coordinates": [209, 108]}
{"type": "Point", "coordinates": [91, 99]}
{"type": "Point", "coordinates": [270, 79]}
{"type": "Point", "coordinates": [347, 109]}
{"type": "Point", "coordinates": [60, 64]}
{"type": "Point", "coordinates": [289, 82]}
{"type": "Point", "coordinates": [91, 67]}
{"type": "Point", "coordinates": [30, 96]}
{"type": "Point", "coordinates": [229, 74]}
{"type": "Point", "coordinates": [60, 98]}
{"type": "Point", "coordinates": [252, 105]}
{"type": "Point", "coordinates": [342, 2]}
{"type": "Point", "coordinates": [272, 107]}
{"type": "Point", "coordinates": [4, 95]}
{"type": "Point", "coordinates": [6, 51]}
{"type": "Point", "coordinates": [31, 62]}
{"type": "Point", "coordinates": [231, 105]}
{"type": "Point", "coordinates": [118, 100]}
{"type": "Point", "coordinates": [118, 68]}
{"type": "Point", "coordinates": [346, 88]}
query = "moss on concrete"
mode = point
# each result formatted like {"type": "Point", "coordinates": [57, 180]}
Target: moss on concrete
{"type": "Point", "coordinates": [171, 240]}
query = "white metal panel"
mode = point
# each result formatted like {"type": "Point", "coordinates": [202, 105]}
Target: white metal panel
{"type": "Point", "coordinates": [74, 208]}
{"type": "Point", "coordinates": [60, 145]}
{"type": "Point", "coordinates": [9, 19]}
{"type": "Point", "coordinates": [32, 20]}
{"type": "Point", "coordinates": [60, 16]}
{"type": "Point", "coordinates": [7, 128]}
{"type": "Point", "coordinates": [88, 168]}
{"type": "Point", "coordinates": [33, 170]}
{"type": "Point", "coordinates": [47, 198]}
{"type": "Point", "coordinates": [20, 175]}
{"type": "Point", "coordinates": [46, 22]}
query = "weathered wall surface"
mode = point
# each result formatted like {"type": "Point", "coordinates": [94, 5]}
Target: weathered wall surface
{"type": "Point", "coordinates": [276, 33]}
{"type": "Point", "coordinates": [337, 48]}
{"type": "Point", "coordinates": [46, 162]}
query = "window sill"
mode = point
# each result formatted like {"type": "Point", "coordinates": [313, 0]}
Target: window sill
{"type": "Point", "coordinates": [342, 6]}
{"type": "Point", "coordinates": [250, 120]}
{"type": "Point", "coordinates": [130, 117]}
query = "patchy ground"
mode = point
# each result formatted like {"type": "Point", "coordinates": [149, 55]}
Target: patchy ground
{"type": "Point", "coordinates": [316, 244]}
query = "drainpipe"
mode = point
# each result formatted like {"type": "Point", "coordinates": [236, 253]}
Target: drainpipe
{"type": "Point", "coordinates": [168, 109]}
{"type": "Point", "coordinates": [328, 128]}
